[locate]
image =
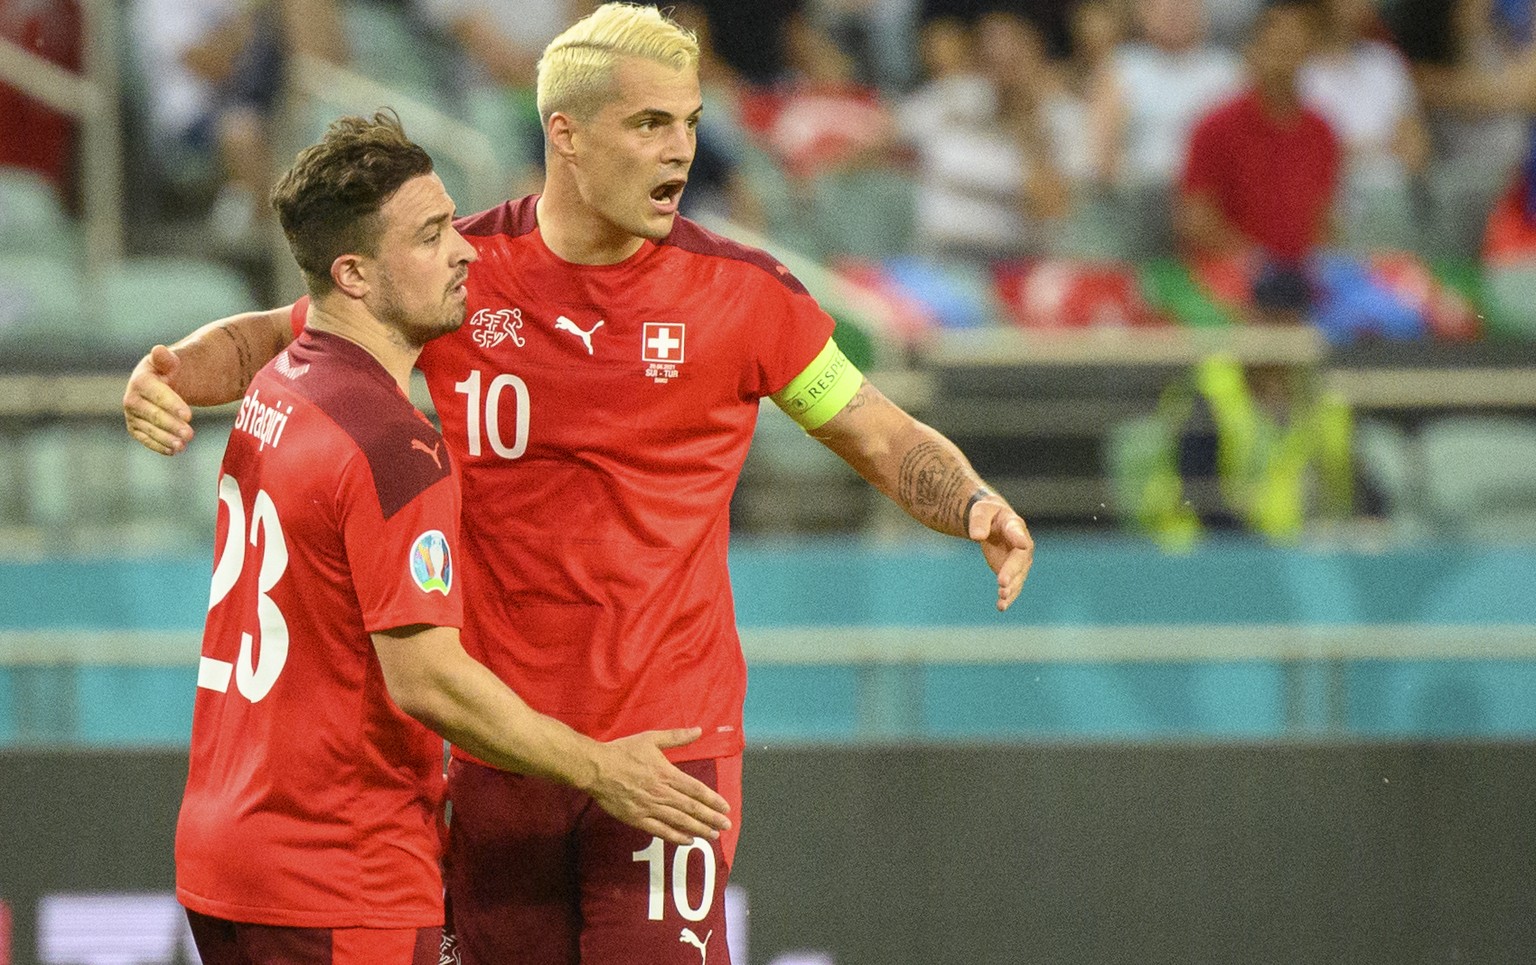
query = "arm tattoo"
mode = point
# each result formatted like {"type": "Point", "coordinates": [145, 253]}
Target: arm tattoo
{"type": "Point", "coordinates": [931, 485]}
{"type": "Point", "coordinates": [861, 398]}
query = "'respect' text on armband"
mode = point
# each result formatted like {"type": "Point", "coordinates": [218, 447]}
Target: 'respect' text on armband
{"type": "Point", "coordinates": [821, 391]}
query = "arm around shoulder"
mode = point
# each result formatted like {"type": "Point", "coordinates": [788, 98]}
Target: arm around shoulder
{"type": "Point", "coordinates": [211, 366]}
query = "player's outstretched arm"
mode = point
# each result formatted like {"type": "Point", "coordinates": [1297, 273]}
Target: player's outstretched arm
{"type": "Point", "coordinates": [430, 677]}
{"type": "Point", "coordinates": [930, 478]}
{"type": "Point", "coordinates": [211, 366]}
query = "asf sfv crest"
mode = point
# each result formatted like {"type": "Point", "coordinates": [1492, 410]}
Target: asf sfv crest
{"type": "Point", "coordinates": [489, 329]}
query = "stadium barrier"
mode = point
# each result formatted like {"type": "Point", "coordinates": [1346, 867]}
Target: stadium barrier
{"type": "Point", "coordinates": [848, 642]}
{"type": "Point", "coordinates": [983, 854]}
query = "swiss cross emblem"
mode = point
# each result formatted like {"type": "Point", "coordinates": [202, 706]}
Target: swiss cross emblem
{"type": "Point", "coordinates": [663, 342]}
{"type": "Point", "coordinates": [662, 348]}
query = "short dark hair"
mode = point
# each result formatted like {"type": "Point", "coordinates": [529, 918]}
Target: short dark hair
{"type": "Point", "coordinates": [329, 201]}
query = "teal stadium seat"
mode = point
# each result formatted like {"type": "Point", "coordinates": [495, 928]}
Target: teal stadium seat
{"type": "Point", "coordinates": [32, 220]}
{"type": "Point", "coordinates": [46, 309]}
{"type": "Point", "coordinates": [159, 299]}
{"type": "Point", "coordinates": [1477, 478]}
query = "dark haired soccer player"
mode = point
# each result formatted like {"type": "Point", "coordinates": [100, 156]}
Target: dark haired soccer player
{"type": "Point", "coordinates": [601, 399]}
{"type": "Point", "coordinates": [308, 832]}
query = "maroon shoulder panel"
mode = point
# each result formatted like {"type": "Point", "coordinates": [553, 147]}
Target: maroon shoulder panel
{"type": "Point", "coordinates": [405, 453]}
{"type": "Point", "coordinates": [512, 218]}
{"type": "Point", "coordinates": [695, 238]}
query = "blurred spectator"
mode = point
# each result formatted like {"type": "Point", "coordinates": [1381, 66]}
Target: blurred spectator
{"type": "Point", "coordinates": [989, 140]}
{"type": "Point", "coordinates": [1262, 176]}
{"type": "Point", "coordinates": [1493, 73]}
{"type": "Point", "coordinates": [716, 183]}
{"type": "Point", "coordinates": [32, 135]}
{"type": "Point", "coordinates": [1097, 34]}
{"type": "Point", "coordinates": [819, 118]}
{"type": "Point", "coordinates": [500, 42]}
{"type": "Point", "coordinates": [1474, 71]}
{"type": "Point", "coordinates": [877, 34]}
{"type": "Point", "coordinates": [212, 75]}
{"type": "Point", "coordinates": [1164, 82]}
{"type": "Point", "coordinates": [1229, 23]}
{"type": "Point", "coordinates": [1363, 88]}
{"type": "Point", "coordinates": [503, 39]}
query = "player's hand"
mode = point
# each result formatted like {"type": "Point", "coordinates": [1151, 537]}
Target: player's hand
{"type": "Point", "coordinates": [639, 786]}
{"type": "Point", "coordinates": [156, 416]}
{"type": "Point", "coordinates": [1006, 544]}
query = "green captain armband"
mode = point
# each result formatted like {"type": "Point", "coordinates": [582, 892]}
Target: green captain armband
{"type": "Point", "coordinates": [821, 391]}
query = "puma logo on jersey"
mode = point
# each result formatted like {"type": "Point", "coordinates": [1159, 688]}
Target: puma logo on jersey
{"type": "Point", "coordinates": [563, 324]}
{"type": "Point", "coordinates": [422, 447]}
{"type": "Point", "coordinates": [689, 938]}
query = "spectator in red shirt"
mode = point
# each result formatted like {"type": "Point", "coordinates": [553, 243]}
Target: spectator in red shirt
{"type": "Point", "coordinates": [1258, 190]}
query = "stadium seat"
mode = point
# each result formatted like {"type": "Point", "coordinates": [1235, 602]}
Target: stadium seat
{"type": "Point", "coordinates": [791, 483]}
{"type": "Point", "coordinates": [1509, 299]}
{"type": "Point", "coordinates": [1478, 483]}
{"type": "Point", "coordinates": [87, 485]}
{"type": "Point", "coordinates": [383, 47]}
{"type": "Point", "coordinates": [32, 221]}
{"type": "Point", "coordinates": [1380, 218]}
{"type": "Point", "coordinates": [46, 310]}
{"type": "Point", "coordinates": [149, 300]}
{"type": "Point", "coordinates": [865, 213]}
{"type": "Point", "coordinates": [1390, 463]}
{"type": "Point", "coordinates": [788, 216]}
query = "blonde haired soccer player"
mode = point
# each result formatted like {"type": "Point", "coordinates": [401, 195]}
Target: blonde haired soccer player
{"type": "Point", "coordinates": [601, 398]}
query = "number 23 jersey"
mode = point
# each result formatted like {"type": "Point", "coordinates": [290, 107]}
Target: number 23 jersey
{"type": "Point", "coordinates": [311, 799]}
{"type": "Point", "coordinates": [601, 416]}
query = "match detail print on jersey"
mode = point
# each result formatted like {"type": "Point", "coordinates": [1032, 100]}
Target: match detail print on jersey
{"type": "Point", "coordinates": [820, 392]}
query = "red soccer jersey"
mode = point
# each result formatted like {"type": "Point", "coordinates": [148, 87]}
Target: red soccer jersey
{"type": "Point", "coordinates": [600, 416]}
{"type": "Point", "coordinates": [1274, 180]}
{"type": "Point", "coordinates": [311, 799]}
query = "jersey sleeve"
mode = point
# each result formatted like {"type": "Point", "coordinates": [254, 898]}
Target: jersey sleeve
{"type": "Point", "coordinates": [403, 565]}
{"type": "Point", "coordinates": [793, 329]}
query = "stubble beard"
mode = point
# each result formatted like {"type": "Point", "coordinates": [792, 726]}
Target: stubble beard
{"type": "Point", "coordinates": [412, 331]}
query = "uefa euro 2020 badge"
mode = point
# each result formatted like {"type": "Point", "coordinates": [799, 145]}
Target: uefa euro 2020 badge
{"type": "Point", "coordinates": [432, 562]}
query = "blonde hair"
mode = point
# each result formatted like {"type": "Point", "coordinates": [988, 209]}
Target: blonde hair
{"type": "Point", "coordinates": [576, 71]}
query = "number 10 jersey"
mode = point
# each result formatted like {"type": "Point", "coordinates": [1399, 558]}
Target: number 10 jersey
{"type": "Point", "coordinates": [600, 415]}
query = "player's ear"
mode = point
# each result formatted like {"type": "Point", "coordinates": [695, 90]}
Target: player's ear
{"type": "Point", "coordinates": [350, 275]}
{"type": "Point", "coordinates": [560, 130]}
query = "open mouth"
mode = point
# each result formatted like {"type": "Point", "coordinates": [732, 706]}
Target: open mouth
{"type": "Point", "coordinates": [666, 194]}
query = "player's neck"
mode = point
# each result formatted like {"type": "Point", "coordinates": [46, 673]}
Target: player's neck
{"type": "Point", "coordinates": [576, 233]}
{"type": "Point", "coordinates": [369, 334]}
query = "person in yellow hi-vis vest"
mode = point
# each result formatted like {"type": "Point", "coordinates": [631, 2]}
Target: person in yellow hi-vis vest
{"type": "Point", "coordinates": [1265, 466]}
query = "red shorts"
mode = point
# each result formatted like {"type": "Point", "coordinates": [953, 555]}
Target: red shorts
{"type": "Point", "coordinates": [221, 942]}
{"type": "Point", "coordinates": [538, 874]}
